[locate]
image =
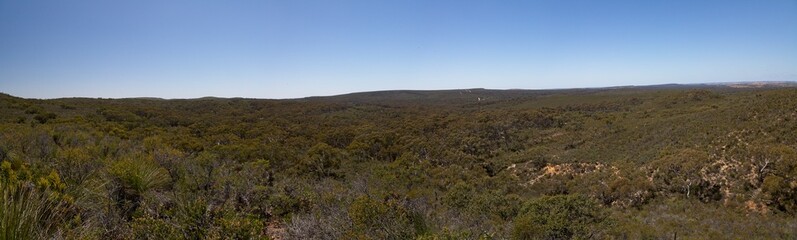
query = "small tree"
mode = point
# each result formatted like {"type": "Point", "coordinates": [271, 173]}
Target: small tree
{"type": "Point", "coordinates": [679, 172]}
{"type": "Point", "coordinates": [780, 187]}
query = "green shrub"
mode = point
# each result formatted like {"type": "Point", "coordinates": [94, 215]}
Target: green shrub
{"type": "Point", "coordinates": [383, 220]}
{"type": "Point", "coordinates": [152, 228]}
{"type": "Point", "coordinates": [139, 176]}
{"type": "Point", "coordinates": [322, 161]}
{"type": "Point", "coordinates": [235, 227]}
{"type": "Point", "coordinates": [44, 117]}
{"type": "Point", "coordinates": [560, 217]}
{"type": "Point", "coordinates": [780, 187]}
{"type": "Point", "coordinates": [459, 196]}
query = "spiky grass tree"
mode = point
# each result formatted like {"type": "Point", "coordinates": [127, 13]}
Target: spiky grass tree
{"type": "Point", "coordinates": [26, 213]}
{"type": "Point", "coordinates": [135, 178]}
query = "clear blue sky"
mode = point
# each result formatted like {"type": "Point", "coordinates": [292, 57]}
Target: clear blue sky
{"type": "Point", "coordinates": [284, 49]}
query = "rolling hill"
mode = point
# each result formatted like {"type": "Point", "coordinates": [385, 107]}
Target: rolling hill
{"type": "Point", "coordinates": [695, 161]}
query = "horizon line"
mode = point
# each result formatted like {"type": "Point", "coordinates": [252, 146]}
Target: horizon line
{"type": "Point", "coordinates": [790, 82]}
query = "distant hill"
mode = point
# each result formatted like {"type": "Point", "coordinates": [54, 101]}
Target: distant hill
{"type": "Point", "coordinates": [457, 96]}
{"type": "Point", "coordinates": [476, 95]}
{"type": "Point", "coordinates": [758, 84]}
{"type": "Point", "coordinates": [430, 96]}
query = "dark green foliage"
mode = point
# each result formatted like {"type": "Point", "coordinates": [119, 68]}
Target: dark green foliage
{"type": "Point", "coordinates": [322, 161]}
{"type": "Point", "coordinates": [780, 186]}
{"type": "Point", "coordinates": [44, 117]}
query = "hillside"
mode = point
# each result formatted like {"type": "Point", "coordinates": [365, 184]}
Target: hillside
{"type": "Point", "coordinates": [712, 161]}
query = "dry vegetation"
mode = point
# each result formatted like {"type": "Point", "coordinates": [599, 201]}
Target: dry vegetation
{"type": "Point", "coordinates": [630, 163]}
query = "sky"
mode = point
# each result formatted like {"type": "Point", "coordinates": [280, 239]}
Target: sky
{"type": "Point", "coordinates": [298, 48]}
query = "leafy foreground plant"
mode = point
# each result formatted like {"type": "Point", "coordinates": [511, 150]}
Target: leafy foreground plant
{"type": "Point", "coordinates": [26, 213]}
{"type": "Point", "coordinates": [136, 178]}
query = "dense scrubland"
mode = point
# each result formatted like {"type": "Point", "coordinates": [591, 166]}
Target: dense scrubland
{"type": "Point", "coordinates": [661, 162]}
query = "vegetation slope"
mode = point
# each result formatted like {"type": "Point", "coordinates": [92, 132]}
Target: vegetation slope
{"type": "Point", "coordinates": [696, 161]}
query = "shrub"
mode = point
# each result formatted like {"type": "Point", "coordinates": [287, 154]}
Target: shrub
{"type": "Point", "coordinates": [459, 196]}
{"type": "Point", "coordinates": [383, 220]}
{"type": "Point", "coordinates": [322, 161]}
{"type": "Point", "coordinates": [134, 178]}
{"type": "Point", "coordinates": [44, 117]}
{"type": "Point", "coordinates": [560, 217]}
